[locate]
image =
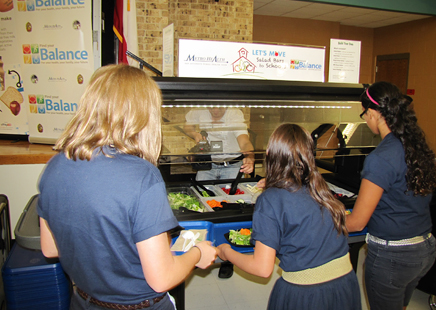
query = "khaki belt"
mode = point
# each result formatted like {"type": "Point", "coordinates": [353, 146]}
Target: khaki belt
{"type": "Point", "coordinates": [143, 304]}
{"type": "Point", "coordinates": [329, 271]}
{"type": "Point", "coordinates": [403, 242]}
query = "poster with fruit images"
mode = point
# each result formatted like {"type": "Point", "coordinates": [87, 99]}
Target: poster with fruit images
{"type": "Point", "coordinates": [53, 49]}
{"type": "Point", "coordinates": [13, 114]}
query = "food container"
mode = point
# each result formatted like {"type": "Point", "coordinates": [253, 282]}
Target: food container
{"type": "Point", "coordinates": [204, 200]}
{"type": "Point", "coordinates": [228, 186]}
{"type": "Point", "coordinates": [234, 198]}
{"type": "Point", "coordinates": [250, 189]}
{"type": "Point", "coordinates": [189, 191]}
{"type": "Point", "coordinates": [215, 189]}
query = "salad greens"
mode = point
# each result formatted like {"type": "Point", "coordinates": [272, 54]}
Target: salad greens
{"type": "Point", "coordinates": [236, 237]}
{"type": "Point", "coordinates": [178, 200]}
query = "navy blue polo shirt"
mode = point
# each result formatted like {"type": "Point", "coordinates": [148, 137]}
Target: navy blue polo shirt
{"type": "Point", "coordinates": [301, 232]}
{"type": "Point", "coordinates": [98, 210]}
{"type": "Point", "coordinates": [399, 214]}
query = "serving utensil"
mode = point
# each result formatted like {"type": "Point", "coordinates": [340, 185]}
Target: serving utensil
{"type": "Point", "coordinates": [235, 183]}
{"type": "Point", "coordinates": [203, 188]}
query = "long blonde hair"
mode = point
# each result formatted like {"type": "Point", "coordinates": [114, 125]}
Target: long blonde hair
{"type": "Point", "coordinates": [121, 107]}
{"type": "Point", "coordinates": [290, 164]}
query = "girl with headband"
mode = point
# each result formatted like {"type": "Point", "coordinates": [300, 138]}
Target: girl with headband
{"type": "Point", "coordinates": [398, 179]}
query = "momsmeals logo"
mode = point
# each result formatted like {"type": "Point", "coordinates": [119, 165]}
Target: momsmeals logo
{"type": "Point", "coordinates": [46, 104]}
{"type": "Point", "coordinates": [49, 54]}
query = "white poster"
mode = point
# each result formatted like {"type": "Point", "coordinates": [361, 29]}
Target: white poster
{"type": "Point", "coordinates": [344, 64]}
{"type": "Point", "coordinates": [216, 59]}
{"type": "Point", "coordinates": [13, 109]}
{"type": "Point", "coordinates": [54, 48]}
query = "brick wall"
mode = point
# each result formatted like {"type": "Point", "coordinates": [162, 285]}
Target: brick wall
{"type": "Point", "coordinates": [192, 19]}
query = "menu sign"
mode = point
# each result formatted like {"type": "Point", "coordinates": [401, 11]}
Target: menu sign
{"type": "Point", "coordinates": [53, 60]}
{"type": "Point", "coordinates": [344, 65]}
{"type": "Point", "coordinates": [216, 59]}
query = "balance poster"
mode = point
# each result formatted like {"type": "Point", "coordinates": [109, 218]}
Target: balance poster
{"type": "Point", "coordinates": [54, 53]}
{"type": "Point", "coordinates": [217, 59]}
{"type": "Point", "coordinates": [13, 108]}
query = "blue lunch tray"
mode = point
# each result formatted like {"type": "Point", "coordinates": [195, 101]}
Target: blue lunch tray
{"type": "Point", "coordinates": [32, 282]}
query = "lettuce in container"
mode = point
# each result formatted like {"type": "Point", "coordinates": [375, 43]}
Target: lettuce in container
{"type": "Point", "coordinates": [178, 200]}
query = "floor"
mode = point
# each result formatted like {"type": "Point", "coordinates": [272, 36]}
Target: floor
{"type": "Point", "coordinates": [205, 291]}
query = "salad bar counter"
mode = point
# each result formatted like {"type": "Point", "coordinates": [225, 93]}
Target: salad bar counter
{"type": "Point", "coordinates": [190, 203]}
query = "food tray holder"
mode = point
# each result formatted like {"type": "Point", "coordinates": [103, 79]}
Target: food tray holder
{"type": "Point", "coordinates": [219, 229]}
{"type": "Point", "coordinates": [189, 191]}
{"type": "Point", "coordinates": [196, 225]}
{"type": "Point", "coordinates": [32, 282]}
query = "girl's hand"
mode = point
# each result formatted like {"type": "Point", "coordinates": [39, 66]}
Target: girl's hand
{"type": "Point", "coordinates": [208, 254]}
{"type": "Point", "coordinates": [220, 250]}
{"type": "Point", "coordinates": [261, 183]}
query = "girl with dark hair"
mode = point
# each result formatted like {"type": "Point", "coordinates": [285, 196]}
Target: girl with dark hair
{"type": "Point", "coordinates": [298, 220]}
{"type": "Point", "coordinates": [398, 179]}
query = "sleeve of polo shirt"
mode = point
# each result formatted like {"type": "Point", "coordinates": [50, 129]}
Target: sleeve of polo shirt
{"type": "Point", "coordinates": [378, 171]}
{"type": "Point", "coordinates": [191, 117]}
{"type": "Point", "coordinates": [153, 215]}
{"type": "Point", "coordinates": [236, 118]}
{"type": "Point", "coordinates": [266, 228]}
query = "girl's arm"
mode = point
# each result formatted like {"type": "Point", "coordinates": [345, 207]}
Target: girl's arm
{"type": "Point", "coordinates": [162, 270]}
{"type": "Point", "coordinates": [366, 202]}
{"type": "Point", "coordinates": [48, 244]}
{"type": "Point", "coordinates": [261, 263]}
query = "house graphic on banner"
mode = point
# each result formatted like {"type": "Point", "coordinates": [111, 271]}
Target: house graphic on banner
{"type": "Point", "coordinates": [242, 64]}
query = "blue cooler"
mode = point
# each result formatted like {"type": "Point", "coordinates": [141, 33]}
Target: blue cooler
{"type": "Point", "coordinates": [32, 282]}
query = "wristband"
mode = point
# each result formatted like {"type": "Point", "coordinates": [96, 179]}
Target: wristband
{"type": "Point", "coordinates": [194, 246]}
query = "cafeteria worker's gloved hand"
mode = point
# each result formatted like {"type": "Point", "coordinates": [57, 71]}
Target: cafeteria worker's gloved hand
{"type": "Point", "coordinates": [208, 254]}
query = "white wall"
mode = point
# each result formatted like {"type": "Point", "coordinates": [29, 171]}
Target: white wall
{"type": "Point", "coordinates": [19, 183]}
